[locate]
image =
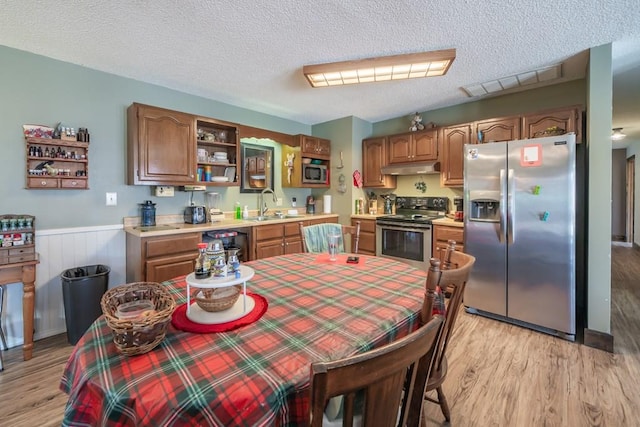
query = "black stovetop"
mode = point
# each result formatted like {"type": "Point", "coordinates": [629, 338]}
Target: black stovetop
{"type": "Point", "coordinates": [418, 209]}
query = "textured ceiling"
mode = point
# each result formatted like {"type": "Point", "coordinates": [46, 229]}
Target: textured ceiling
{"type": "Point", "coordinates": [250, 54]}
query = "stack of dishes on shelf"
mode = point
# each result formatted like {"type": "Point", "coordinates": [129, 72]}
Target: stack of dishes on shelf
{"type": "Point", "coordinates": [220, 157]}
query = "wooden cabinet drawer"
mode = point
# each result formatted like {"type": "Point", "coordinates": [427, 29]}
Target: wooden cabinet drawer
{"type": "Point", "coordinates": [73, 183]}
{"type": "Point", "coordinates": [444, 233]}
{"type": "Point", "coordinates": [41, 182]}
{"type": "Point", "coordinates": [172, 245]}
{"type": "Point", "coordinates": [166, 268]}
{"type": "Point", "coordinates": [292, 229]}
{"type": "Point", "coordinates": [267, 232]}
{"type": "Point", "coordinates": [321, 221]}
{"type": "Point", "coordinates": [19, 251]}
{"type": "Point", "coordinates": [366, 225]}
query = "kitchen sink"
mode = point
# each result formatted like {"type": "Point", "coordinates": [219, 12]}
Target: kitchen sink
{"type": "Point", "coordinates": [263, 218]}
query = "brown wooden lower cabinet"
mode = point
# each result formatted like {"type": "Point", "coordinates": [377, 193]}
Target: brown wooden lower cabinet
{"type": "Point", "coordinates": [280, 239]}
{"type": "Point", "coordinates": [367, 242]}
{"type": "Point", "coordinates": [160, 258]}
{"type": "Point", "coordinates": [442, 234]}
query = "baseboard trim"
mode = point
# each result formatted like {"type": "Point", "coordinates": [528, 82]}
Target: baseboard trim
{"type": "Point", "coordinates": [625, 244]}
{"type": "Point", "coordinates": [599, 340]}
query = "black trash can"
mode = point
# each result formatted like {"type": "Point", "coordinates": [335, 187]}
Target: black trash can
{"type": "Point", "coordinates": [82, 290]}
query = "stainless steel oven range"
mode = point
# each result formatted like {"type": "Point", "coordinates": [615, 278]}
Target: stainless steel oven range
{"type": "Point", "coordinates": [406, 236]}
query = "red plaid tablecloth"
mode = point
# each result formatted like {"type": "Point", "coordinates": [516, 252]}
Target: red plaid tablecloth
{"type": "Point", "coordinates": [256, 375]}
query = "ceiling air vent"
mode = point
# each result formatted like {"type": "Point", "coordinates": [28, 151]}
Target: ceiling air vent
{"type": "Point", "coordinates": [523, 79]}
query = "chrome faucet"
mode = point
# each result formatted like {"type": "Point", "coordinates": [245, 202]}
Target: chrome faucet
{"type": "Point", "coordinates": [262, 206]}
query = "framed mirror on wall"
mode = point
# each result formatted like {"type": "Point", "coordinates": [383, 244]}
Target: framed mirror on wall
{"type": "Point", "coordinates": [257, 168]}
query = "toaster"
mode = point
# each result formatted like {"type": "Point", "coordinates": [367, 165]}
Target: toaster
{"type": "Point", "coordinates": [195, 215]}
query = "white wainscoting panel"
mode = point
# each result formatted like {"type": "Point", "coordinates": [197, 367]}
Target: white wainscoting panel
{"type": "Point", "coordinates": [59, 250]}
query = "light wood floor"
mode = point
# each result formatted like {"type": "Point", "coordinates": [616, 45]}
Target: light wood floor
{"type": "Point", "coordinates": [499, 374]}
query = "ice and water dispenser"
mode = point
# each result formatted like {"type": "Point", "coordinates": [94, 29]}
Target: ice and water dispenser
{"type": "Point", "coordinates": [484, 210]}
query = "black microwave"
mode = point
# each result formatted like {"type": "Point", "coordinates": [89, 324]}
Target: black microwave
{"type": "Point", "coordinates": [315, 174]}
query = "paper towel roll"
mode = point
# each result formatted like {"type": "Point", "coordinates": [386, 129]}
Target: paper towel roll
{"type": "Point", "coordinates": [326, 203]}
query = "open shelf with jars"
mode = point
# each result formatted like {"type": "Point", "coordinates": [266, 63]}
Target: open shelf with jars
{"type": "Point", "coordinates": [17, 238]}
{"type": "Point", "coordinates": [217, 151]}
{"type": "Point", "coordinates": [57, 164]}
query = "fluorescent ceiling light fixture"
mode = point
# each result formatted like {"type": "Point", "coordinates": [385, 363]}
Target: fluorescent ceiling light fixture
{"type": "Point", "coordinates": [617, 134]}
{"type": "Point", "coordinates": [523, 79]}
{"type": "Point", "coordinates": [395, 67]}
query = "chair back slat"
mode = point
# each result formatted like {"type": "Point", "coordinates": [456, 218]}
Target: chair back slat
{"type": "Point", "coordinates": [314, 237]}
{"type": "Point", "coordinates": [385, 377]}
{"type": "Point", "coordinates": [456, 280]}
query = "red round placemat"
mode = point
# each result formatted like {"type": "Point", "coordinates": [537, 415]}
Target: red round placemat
{"type": "Point", "coordinates": [179, 318]}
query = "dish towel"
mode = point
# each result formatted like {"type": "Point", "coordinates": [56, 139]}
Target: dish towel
{"type": "Point", "coordinates": [315, 237]}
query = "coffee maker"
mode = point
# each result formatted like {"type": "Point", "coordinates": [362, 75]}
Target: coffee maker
{"type": "Point", "coordinates": [311, 205]}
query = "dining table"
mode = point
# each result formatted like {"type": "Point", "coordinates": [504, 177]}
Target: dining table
{"type": "Point", "coordinates": [256, 374]}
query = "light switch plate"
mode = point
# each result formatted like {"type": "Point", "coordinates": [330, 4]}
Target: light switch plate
{"type": "Point", "coordinates": [164, 191]}
{"type": "Point", "coordinates": [279, 201]}
{"type": "Point", "coordinates": [112, 199]}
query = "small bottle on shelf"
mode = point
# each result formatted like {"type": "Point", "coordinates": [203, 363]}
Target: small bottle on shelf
{"type": "Point", "coordinates": [203, 266]}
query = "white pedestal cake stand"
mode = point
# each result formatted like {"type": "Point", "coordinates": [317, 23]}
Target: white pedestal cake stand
{"type": "Point", "coordinates": [241, 307]}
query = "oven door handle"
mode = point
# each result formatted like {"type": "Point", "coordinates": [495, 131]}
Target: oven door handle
{"type": "Point", "coordinates": [400, 228]}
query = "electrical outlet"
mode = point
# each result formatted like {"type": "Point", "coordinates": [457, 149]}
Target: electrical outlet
{"type": "Point", "coordinates": [112, 199]}
{"type": "Point", "coordinates": [279, 201]}
{"type": "Point", "coordinates": [164, 191]}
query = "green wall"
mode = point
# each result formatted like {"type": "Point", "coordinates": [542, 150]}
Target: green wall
{"type": "Point", "coordinates": [39, 90]}
{"type": "Point", "coordinates": [600, 95]}
{"type": "Point", "coordinates": [560, 95]}
{"type": "Point", "coordinates": [346, 135]}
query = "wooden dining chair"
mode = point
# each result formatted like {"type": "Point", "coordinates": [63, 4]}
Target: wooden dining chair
{"type": "Point", "coordinates": [383, 377]}
{"type": "Point", "coordinates": [455, 279]}
{"type": "Point", "coordinates": [314, 237]}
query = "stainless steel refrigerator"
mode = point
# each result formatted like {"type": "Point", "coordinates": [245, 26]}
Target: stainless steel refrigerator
{"type": "Point", "coordinates": [520, 225]}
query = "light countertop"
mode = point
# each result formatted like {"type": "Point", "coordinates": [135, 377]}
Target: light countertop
{"type": "Point", "coordinates": [174, 224]}
{"type": "Point", "coordinates": [448, 221]}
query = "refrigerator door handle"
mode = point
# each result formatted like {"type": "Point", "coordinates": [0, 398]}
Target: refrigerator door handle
{"type": "Point", "coordinates": [503, 205]}
{"type": "Point", "coordinates": [511, 208]}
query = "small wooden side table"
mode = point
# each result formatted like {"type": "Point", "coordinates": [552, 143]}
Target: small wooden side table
{"type": "Point", "coordinates": [25, 272]}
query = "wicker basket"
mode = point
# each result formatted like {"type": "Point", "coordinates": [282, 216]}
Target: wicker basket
{"type": "Point", "coordinates": [141, 334]}
{"type": "Point", "coordinates": [220, 299]}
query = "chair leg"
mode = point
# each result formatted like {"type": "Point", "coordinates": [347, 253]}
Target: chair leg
{"type": "Point", "coordinates": [443, 404]}
{"type": "Point", "coordinates": [4, 341]}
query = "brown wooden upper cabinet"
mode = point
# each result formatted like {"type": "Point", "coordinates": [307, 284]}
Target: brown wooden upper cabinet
{"type": "Point", "coordinates": [413, 147]}
{"type": "Point", "coordinates": [313, 147]}
{"type": "Point", "coordinates": [161, 146]}
{"type": "Point", "coordinates": [374, 157]}
{"type": "Point", "coordinates": [553, 122]}
{"type": "Point", "coordinates": [453, 140]}
{"type": "Point", "coordinates": [497, 130]}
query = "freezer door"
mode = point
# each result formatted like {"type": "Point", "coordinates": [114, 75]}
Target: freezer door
{"type": "Point", "coordinates": [485, 224]}
{"type": "Point", "coordinates": [541, 234]}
